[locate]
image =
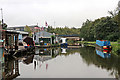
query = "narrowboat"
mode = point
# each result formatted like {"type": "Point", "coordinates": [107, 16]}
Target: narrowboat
{"type": "Point", "coordinates": [103, 44]}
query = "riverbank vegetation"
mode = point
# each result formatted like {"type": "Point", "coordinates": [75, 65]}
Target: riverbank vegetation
{"type": "Point", "coordinates": [104, 28]}
{"type": "Point", "coordinates": [115, 46]}
{"type": "Point", "coordinates": [64, 31]}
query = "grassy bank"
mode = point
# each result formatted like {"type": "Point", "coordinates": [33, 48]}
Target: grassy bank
{"type": "Point", "coordinates": [87, 42]}
{"type": "Point", "coordinates": [115, 46]}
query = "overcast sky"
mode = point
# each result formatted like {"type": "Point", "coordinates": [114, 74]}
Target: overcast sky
{"type": "Point", "coordinates": [71, 13]}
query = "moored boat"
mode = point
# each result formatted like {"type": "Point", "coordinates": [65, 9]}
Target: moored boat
{"type": "Point", "coordinates": [63, 42]}
{"type": "Point", "coordinates": [103, 44]}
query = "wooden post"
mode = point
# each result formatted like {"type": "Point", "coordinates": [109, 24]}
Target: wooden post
{"type": "Point", "coordinates": [16, 41]}
{"type": "Point", "coordinates": [12, 41]}
{"type": "Point", "coordinates": [16, 67]}
{"type": "Point", "coordinates": [9, 41]}
{"type": "Point", "coordinates": [6, 41]}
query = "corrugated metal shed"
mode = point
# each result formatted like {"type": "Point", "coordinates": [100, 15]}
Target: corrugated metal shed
{"type": "Point", "coordinates": [44, 34]}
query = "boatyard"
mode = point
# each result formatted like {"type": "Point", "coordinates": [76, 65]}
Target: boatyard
{"type": "Point", "coordinates": [44, 50]}
{"type": "Point", "coordinates": [59, 39]}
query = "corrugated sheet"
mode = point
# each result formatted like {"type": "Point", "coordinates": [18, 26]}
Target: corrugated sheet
{"type": "Point", "coordinates": [44, 34]}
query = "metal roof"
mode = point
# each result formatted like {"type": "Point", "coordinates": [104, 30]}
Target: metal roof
{"type": "Point", "coordinates": [74, 35]}
{"type": "Point", "coordinates": [44, 34]}
{"type": "Point", "coordinates": [23, 26]}
{"type": "Point", "coordinates": [20, 32]}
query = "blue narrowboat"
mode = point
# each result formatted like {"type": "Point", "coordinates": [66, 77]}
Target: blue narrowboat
{"type": "Point", "coordinates": [103, 44]}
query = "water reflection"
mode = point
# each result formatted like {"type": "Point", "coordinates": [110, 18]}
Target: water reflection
{"type": "Point", "coordinates": [111, 64]}
{"type": "Point", "coordinates": [63, 50]}
{"type": "Point", "coordinates": [103, 53]}
{"type": "Point", "coordinates": [9, 68]}
{"type": "Point", "coordinates": [1, 62]}
{"type": "Point", "coordinates": [43, 55]}
{"type": "Point", "coordinates": [28, 59]}
{"type": "Point", "coordinates": [12, 66]}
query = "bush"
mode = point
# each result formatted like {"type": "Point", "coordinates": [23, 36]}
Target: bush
{"type": "Point", "coordinates": [118, 41]}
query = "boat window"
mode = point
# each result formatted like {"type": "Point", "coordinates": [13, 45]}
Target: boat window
{"type": "Point", "coordinates": [20, 44]}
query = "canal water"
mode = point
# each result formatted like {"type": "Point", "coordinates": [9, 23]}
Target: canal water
{"type": "Point", "coordinates": [83, 62]}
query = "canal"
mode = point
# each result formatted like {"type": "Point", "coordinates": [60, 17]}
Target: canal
{"type": "Point", "coordinates": [83, 62]}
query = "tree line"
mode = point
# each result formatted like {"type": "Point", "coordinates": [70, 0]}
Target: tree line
{"type": "Point", "coordinates": [104, 28]}
{"type": "Point", "coordinates": [64, 31]}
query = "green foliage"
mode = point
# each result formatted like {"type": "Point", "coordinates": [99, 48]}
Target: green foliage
{"type": "Point", "coordinates": [64, 31]}
{"type": "Point", "coordinates": [107, 29]}
{"type": "Point", "coordinates": [70, 41]}
{"type": "Point", "coordinates": [27, 29]}
{"type": "Point", "coordinates": [55, 45]}
{"type": "Point", "coordinates": [103, 28]}
{"type": "Point", "coordinates": [4, 25]}
{"type": "Point", "coordinates": [115, 48]}
{"type": "Point", "coordinates": [53, 36]}
{"type": "Point", "coordinates": [87, 31]}
{"type": "Point", "coordinates": [118, 41]}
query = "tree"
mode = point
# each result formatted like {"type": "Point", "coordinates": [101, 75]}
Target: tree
{"type": "Point", "coordinates": [64, 31]}
{"type": "Point", "coordinates": [107, 29]}
{"type": "Point", "coordinates": [4, 25]}
{"type": "Point", "coordinates": [87, 30]}
{"type": "Point", "coordinates": [104, 28]}
{"type": "Point", "coordinates": [27, 29]}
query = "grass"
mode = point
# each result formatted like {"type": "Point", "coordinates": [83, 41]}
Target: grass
{"type": "Point", "coordinates": [115, 47]}
{"type": "Point", "coordinates": [87, 42]}
{"type": "Point", "coordinates": [92, 42]}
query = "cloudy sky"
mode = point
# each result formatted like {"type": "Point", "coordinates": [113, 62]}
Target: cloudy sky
{"type": "Point", "coordinates": [71, 13]}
